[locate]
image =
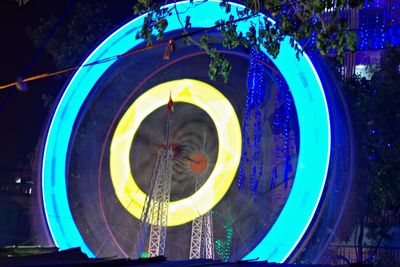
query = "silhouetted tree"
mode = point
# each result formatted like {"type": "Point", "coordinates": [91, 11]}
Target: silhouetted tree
{"type": "Point", "coordinates": [375, 108]}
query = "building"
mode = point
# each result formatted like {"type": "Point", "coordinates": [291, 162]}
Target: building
{"type": "Point", "coordinates": [377, 26]}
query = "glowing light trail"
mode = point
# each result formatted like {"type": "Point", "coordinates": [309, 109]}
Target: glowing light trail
{"type": "Point", "coordinates": [314, 126]}
{"type": "Point", "coordinates": [224, 117]}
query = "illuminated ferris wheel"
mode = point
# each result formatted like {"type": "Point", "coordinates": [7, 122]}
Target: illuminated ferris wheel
{"type": "Point", "coordinates": [223, 176]}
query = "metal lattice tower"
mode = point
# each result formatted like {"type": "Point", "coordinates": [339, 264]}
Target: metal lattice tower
{"type": "Point", "coordinates": [202, 239]}
{"type": "Point", "coordinates": [155, 210]}
{"type": "Point", "coordinates": [159, 206]}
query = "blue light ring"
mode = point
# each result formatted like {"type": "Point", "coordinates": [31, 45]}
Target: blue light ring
{"type": "Point", "coordinates": [321, 129]}
{"type": "Point", "coordinates": [312, 109]}
{"type": "Point", "coordinates": [54, 189]}
{"type": "Point", "coordinates": [275, 246]}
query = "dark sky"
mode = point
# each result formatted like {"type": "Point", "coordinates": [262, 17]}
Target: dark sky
{"type": "Point", "coordinates": [23, 114]}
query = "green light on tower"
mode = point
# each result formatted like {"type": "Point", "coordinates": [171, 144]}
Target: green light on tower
{"type": "Point", "coordinates": [144, 255]}
{"type": "Point", "coordinates": [223, 247]}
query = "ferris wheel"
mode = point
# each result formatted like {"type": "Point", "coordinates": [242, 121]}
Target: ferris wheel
{"type": "Point", "coordinates": [224, 175]}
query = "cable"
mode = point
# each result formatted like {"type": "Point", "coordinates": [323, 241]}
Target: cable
{"type": "Point", "coordinates": [36, 53]}
{"type": "Point", "coordinates": [21, 82]}
{"type": "Point", "coordinates": [50, 74]}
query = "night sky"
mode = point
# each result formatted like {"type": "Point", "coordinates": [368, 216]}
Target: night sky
{"type": "Point", "coordinates": [23, 114]}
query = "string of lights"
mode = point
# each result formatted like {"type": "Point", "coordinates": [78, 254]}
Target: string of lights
{"type": "Point", "coordinates": [379, 25]}
{"type": "Point", "coordinates": [251, 164]}
{"type": "Point", "coordinates": [283, 138]}
{"type": "Point", "coordinates": [223, 247]}
{"type": "Point", "coordinates": [286, 136]}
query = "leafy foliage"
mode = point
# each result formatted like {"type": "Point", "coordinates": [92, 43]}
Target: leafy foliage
{"type": "Point", "coordinates": [68, 41]}
{"type": "Point", "coordinates": [315, 24]}
{"type": "Point", "coordinates": [375, 108]}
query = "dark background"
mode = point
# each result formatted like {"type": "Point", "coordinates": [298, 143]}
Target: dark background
{"type": "Point", "coordinates": [28, 32]}
{"type": "Point", "coordinates": [22, 115]}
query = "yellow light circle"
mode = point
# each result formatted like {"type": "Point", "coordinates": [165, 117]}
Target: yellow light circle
{"type": "Point", "coordinates": [224, 117]}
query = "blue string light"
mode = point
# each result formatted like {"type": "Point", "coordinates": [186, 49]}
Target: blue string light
{"type": "Point", "coordinates": [283, 138]}
{"type": "Point", "coordinates": [379, 25]}
{"type": "Point", "coordinates": [251, 164]}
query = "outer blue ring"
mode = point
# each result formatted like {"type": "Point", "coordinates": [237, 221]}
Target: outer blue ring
{"type": "Point", "coordinates": [313, 116]}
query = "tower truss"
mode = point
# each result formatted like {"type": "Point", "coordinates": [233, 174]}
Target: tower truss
{"type": "Point", "coordinates": [155, 211]}
{"type": "Point", "coordinates": [202, 239]}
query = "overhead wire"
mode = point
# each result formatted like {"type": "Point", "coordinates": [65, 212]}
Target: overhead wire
{"type": "Point", "coordinates": [40, 47]}
{"type": "Point", "coordinates": [69, 69]}
{"type": "Point", "coordinates": [130, 53]}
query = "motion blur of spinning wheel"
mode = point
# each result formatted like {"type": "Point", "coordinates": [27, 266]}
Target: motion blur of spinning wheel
{"type": "Point", "coordinates": [195, 144]}
{"type": "Point", "coordinates": [240, 219]}
{"type": "Point", "coordinates": [233, 150]}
